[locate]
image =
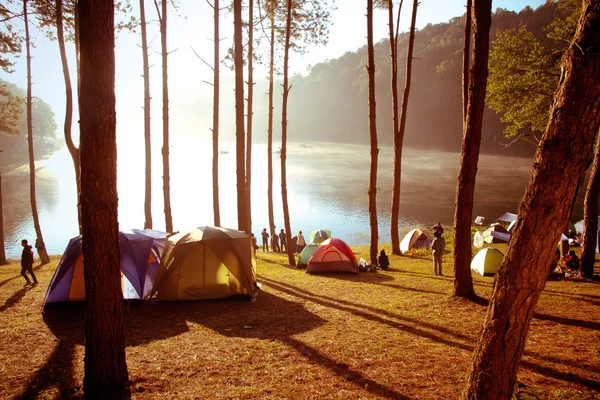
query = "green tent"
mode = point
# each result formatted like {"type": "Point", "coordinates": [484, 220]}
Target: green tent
{"type": "Point", "coordinates": [306, 255]}
{"type": "Point", "coordinates": [487, 261]}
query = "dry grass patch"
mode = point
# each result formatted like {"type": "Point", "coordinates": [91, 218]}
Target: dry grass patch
{"type": "Point", "coordinates": [392, 334]}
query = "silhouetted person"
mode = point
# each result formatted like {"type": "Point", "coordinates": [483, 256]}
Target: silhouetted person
{"type": "Point", "coordinates": [254, 244]}
{"type": "Point", "coordinates": [265, 240]}
{"type": "Point", "coordinates": [437, 248]}
{"type": "Point", "coordinates": [382, 260]}
{"type": "Point", "coordinates": [301, 243]}
{"type": "Point", "coordinates": [27, 263]}
{"type": "Point", "coordinates": [275, 240]}
{"type": "Point", "coordinates": [283, 240]}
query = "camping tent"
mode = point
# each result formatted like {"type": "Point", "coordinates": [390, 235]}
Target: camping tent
{"type": "Point", "coordinates": [506, 218]}
{"type": "Point", "coordinates": [487, 261]}
{"type": "Point", "coordinates": [139, 263]}
{"type": "Point", "coordinates": [496, 233]}
{"type": "Point", "coordinates": [333, 255]}
{"type": "Point", "coordinates": [160, 238]}
{"type": "Point", "coordinates": [579, 227]}
{"type": "Point", "coordinates": [319, 236]}
{"type": "Point", "coordinates": [415, 239]}
{"type": "Point", "coordinates": [206, 263]}
{"type": "Point", "coordinates": [306, 255]}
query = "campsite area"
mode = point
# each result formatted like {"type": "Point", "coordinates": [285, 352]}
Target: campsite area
{"type": "Point", "coordinates": [395, 334]}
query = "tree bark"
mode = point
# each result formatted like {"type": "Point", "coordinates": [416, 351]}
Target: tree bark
{"type": "Point", "coordinates": [73, 150]}
{"type": "Point", "coordinates": [2, 248]}
{"type": "Point", "coordinates": [482, 18]}
{"type": "Point", "coordinates": [543, 213]}
{"type": "Point", "coordinates": [249, 116]}
{"type": "Point", "coordinates": [466, 62]}
{"type": "Point", "coordinates": [286, 91]}
{"type": "Point", "coordinates": [372, 139]}
{"type": "Point", "coordinates": [395, 210]}
{"type": "Point", "coordinates": [215, 129]}
{"type": "Point", "coordinates": [39, 243]}
{"type": "Point", "coordinates": [105, 366]}
{"type": "Point", "coordinates": [399, 136]}
{"type": "Point", "coordinates": [590, 217]}
{"type": "Point", "coordinates": [270, 125]}
{"type": "Point", "coordinates": [240, 136]}
{"type": "Point", "coordinates": [147, 142]}
{"type": "Point", "coordinates": [165, 149]}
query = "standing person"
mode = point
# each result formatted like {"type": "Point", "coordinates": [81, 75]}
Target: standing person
{"type": "Point", "coordinates": [275, 240]}
{"type": "Point", "coordinates": [301, 242]}
{"type": "Point", "coordinates": [27, 262]}
{"type": "Point", "coordinates": [265, 240]}
{"type": "Point", "coordinates": [283, 240]}
{"type": "Point", "coordinates": [254, 244]}
{"type": "Point", "coordinates": [437, 248]}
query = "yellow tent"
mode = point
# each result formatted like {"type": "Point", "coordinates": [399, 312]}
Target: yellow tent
{"type": "Point", "coordinates": [206, 263]}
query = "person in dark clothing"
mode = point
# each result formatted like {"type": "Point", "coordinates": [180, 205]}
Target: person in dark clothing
{"type": "Point", "coordinates": [283, 240]}
{"type": "Point", "coordinates": [27, 262]}
{"type": "Point", "coordinates": [275, 243]}
{"type": "Point", "coordinates": [254, 244]}
{"type": "Point", "coordinates": [265, 240]}
{"type": "Point", "coordinates": [571, 260]}
{"type": "Point", "coordinates": [383, 260]}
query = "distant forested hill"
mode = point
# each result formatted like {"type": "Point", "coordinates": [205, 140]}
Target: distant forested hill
{"type": "Point", "coordinates": [330, 104]}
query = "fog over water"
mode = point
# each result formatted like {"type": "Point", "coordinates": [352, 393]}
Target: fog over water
{"type": "Point", "coordinates": [327, 188]}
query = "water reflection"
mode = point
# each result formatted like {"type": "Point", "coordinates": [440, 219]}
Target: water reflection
{"type": "Point", "coordinates": [327, 185]}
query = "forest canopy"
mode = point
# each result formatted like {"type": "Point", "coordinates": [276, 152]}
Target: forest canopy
{"type": "Point", "coordinates": [434, 118]}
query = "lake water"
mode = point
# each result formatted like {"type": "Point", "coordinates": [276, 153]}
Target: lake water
{"type": "Point", "coordinates": [327, 188]}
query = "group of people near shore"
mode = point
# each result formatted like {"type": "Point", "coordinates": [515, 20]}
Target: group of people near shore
{"type": "Point", "coordinates": [278, 242]}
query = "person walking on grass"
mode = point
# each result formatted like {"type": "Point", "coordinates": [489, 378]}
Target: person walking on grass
{"type": "Point", "coordinates": [437, 248]}
{"type": "Point", "coordinates": [265, 240]}
{"type": "Point", "coordinates": [27, 262]}
{"type": "Point", "coordinates": [301, 242]}
{"type": "Point", "coordinates": [283, 241]}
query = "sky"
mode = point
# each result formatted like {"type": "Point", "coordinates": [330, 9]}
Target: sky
{"type": "Point", "coordinates": [191, 27]}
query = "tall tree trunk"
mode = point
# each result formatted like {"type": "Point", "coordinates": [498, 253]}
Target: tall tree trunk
{"type": "Point", "coordinates": [466, 62]}
{"type": "Point", "coordinates": [215, 129]}
{"type": "Point", "coordinates": [2, 248]}
{"type": "Point", "coordinates": [396, 184]}
{"type": "Point", "coordinates": [162, 15]}
{"type": "Point", "coordinates": [590, 217]}
{"type": "Point", "coordinates": [543, 213]}
{"type": "Point", "coordinates": [249, 117]}
{"type": "Point", "coordinates": [105, 366]}
{"type": "Point", "coordinates": [286, 92]}
{"type": "Point", "coordinates": [147, 142]}
{"type": "Point", "coordinates": [399, 136]}
{"type": "Point", "coordinates": [73, 150]}
{"type": "Point", "coordinates": [270, 125]}
{"type": "Point", "coordinates": [372, 138]}
{"type": "Point", "coordinates": [39, 242]}
{"type": "Point", "coordinates": [240, 136]}
{"type": "Point", "coordinates": [463, 283]}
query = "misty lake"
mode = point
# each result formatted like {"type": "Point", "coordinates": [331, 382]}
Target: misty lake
{"type": "Point", "coordinates": [327, 188]}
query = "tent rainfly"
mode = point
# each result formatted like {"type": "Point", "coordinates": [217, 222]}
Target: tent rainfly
{"type": "Point", "coordinates": [333, 255]}
{"type": "Point", "coordinates": [415, 239]}
{"type": "Point", "coordinates": [306, 254]}
{"type": "Point", "coordinates": [319, 236]}
{"type": "Point", "coordinates": [487, 261]}
{"type": "Point", "coordinates": [206, 263]}
{"type": "Point", "coordinates": [139, 263]}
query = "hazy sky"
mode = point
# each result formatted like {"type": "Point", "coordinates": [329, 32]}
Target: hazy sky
{"type": "Point", "coordinates": [191, 26]}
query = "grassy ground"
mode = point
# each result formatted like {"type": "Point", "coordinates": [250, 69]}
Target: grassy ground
{"type": "Point", "coordinates": [394, 334]}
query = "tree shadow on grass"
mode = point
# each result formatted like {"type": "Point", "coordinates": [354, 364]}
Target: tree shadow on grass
{"type": "Point", "coordinates": [370, 313]}
{"type": "Point", "coordinates": [568, 321]}
{"type": "Point", "coordinates": [363, 277]}
{"type": "Point", "coordinates": [15, 298]}
{"type": "Point", "coordinates": [281, 264]}
{"type": "Point", "coordinates": [259, 321]}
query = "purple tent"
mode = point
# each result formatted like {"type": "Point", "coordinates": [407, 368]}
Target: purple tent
{"type": "Point", "coordinates": [139, 263]}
